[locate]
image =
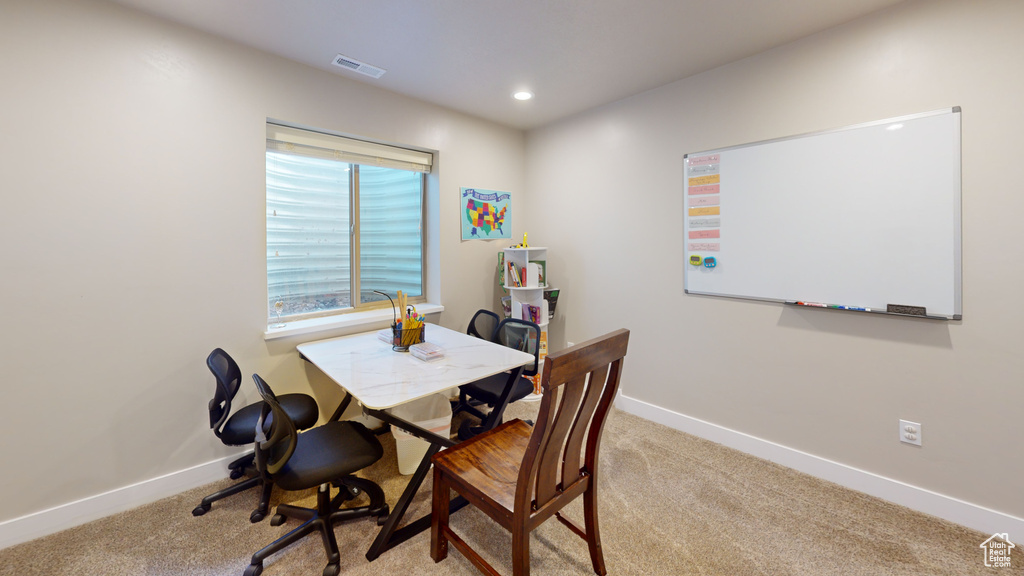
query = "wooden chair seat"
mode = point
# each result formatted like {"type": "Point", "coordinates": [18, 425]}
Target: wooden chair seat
{"type": "Point", "coordinates": [493, 459]}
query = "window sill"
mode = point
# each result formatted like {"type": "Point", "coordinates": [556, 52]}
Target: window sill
{"type": "Point", "coordinates": [355, 321]}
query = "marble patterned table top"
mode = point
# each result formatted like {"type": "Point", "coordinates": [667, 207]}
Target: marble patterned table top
{"type": "Point", "coordinates": [379, 377]}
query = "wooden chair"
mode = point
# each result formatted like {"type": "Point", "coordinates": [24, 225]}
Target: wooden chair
{"type": "Point", "coordinates": [521, 476]}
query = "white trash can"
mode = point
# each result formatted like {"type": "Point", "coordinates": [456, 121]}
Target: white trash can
{"type": "Point", "coordinates": [433, 413]}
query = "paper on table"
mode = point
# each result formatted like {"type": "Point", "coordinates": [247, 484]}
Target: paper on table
{"type": "Point", "coordinates": [426, 351]}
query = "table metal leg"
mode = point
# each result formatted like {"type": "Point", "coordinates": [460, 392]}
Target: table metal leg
{"type": "Point", "coordinates": [494, 418]}
{"type": "Point", "coordinates": [390, 534]}
{"type": "Point", "coordinates": [341, 407]}
{"type": "Point", "coordinates": [497, 412]}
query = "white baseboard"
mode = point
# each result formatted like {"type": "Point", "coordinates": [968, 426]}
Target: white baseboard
{"type": "Point", "coordinates": [38, 524]}
{"type": "Point", "coordinates": [25, 528]}
{"type": "Point", "coordinates": [957, 511]}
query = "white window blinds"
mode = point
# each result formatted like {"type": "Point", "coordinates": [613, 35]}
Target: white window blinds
{"type": "Point", "coordinates": [330, 147]}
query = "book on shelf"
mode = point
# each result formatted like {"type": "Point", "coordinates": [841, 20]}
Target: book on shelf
{"type": "Point", "coordinates": [551, 295]}
{"type": "Point", "coordinates": [513, 275]}
{"type": "Point", "coordinates": [501, 269]}
{"type": "Point", "coordinates": [543, 352]}
{"type": "Point", "coordinates": [536, 383]}
{"type": "Point", "coordinates": [538, 272]}
{"type": "Point", "coordinates": [532, 313]}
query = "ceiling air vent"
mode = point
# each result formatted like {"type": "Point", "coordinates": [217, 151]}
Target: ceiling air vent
{"type": "Point", "coordinates": [357, 66]}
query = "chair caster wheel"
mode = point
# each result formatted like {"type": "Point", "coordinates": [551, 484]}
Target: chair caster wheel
{"type": "Point", "coordinates": [253, 570]}
{"type": "Point", "coordinates": [256, 516]}
{"type": "Point", "coordinates": [382, 516]}
{"type": "Point", "coordinates": [277, 520]}
{"type": "Point", "coordinates": [236, 474]}
{"type": "Point", "coordinates": [332, 570]}
{"type": "Point", "coordinates": [201, 509]}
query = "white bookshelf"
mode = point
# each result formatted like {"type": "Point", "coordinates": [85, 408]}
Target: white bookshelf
{"type": "Point", "coordinates": [531, 293]}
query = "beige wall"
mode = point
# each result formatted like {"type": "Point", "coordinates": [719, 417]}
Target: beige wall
{"type": "Point", "coordinates": [829, 384]}
{"type": "Point", "coordinates": [133, 237]}
{"type": "Point", "coordinates": [132, 230]}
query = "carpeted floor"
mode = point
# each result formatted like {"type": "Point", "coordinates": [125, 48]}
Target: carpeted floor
{"type": "Point", "coordinates": [670, 504]}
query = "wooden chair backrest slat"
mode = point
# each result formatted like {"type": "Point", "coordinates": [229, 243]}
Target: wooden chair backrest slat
{"type": "Point", "coordinates": [571, 470]}
{"type": "Point", "coordinates": [550, 455]}
{"type": "Point", "coordinates": [579, 384]}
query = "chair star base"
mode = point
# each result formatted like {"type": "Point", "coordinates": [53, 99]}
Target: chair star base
{"type": "Point", "coordinates": [322, 519]}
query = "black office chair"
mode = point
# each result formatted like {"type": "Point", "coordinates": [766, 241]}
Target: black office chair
{"type": "Point", "coordinates": [514, 333]}
{"type": "Point", "coordinates": [239, 429]}
{"type": "Point", "coordinates": [325, 455]}
{"type": "Point", "coordinates": [482, 324]}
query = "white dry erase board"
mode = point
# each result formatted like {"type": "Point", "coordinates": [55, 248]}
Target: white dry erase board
{"type": "Point", "coordinates": [865, 218]}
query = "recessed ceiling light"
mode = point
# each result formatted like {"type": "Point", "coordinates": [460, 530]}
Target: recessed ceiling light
{"type": "Point", "coordinates": [524, 95]}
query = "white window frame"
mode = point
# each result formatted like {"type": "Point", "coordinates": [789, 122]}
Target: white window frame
{"type": "Point", "coordinates": [347, 149]}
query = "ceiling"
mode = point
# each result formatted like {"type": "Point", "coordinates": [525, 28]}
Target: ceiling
{"type": "Point", "coordinates": [471, 55]}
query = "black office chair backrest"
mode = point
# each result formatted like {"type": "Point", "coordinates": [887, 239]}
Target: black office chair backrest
{"type": "Point", "coordinates": [482, 324]}
{"type": "Point", "coordinates": [229, 379]}
{"type": "Point", "coordinates": [273, 448]}
{"type": "Point", "coordinates": [522, 335]}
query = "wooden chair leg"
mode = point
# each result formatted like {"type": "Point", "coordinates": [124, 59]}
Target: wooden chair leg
{"type": "Point", "coordinates": [593, 533]}
{"type": "Point", "coordinates": [520, 549]}
{"type": "Point", "coordinates": [439, 517]}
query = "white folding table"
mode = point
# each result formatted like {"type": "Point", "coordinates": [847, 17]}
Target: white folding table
{"type": "Point", "coordinates": [379, 378]}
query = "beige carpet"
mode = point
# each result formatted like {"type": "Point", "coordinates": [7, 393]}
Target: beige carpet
{"type": "Point", "coordinates": [671, 504]}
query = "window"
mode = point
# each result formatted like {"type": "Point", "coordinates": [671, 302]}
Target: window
{"type": "Point", "coordinates": [344, 218]}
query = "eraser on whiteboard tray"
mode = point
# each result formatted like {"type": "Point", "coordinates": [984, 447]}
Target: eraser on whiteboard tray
{"type": "Point", "coordinates": [908, 310]}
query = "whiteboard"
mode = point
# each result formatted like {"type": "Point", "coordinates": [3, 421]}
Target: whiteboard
{"type": "Point", "coordinates": [863, 218]}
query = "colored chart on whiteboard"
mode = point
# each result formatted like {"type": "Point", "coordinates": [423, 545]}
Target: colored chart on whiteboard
{"type": "Point", "coordinates": [703, 208]}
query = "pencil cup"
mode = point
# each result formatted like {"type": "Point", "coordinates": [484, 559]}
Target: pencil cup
{"type": "Point", "coordinates": [403, 338]}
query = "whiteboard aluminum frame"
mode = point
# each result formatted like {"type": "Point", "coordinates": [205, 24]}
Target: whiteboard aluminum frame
{"type": "Point", "coordinates": [957, 211]}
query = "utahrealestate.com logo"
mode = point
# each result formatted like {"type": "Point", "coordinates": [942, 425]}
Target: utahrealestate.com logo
{"type": "Point", "coordinates": [997, 550]}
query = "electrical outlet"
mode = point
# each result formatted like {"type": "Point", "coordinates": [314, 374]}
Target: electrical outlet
{"type": "Point", "coordinates": [910, 432]}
